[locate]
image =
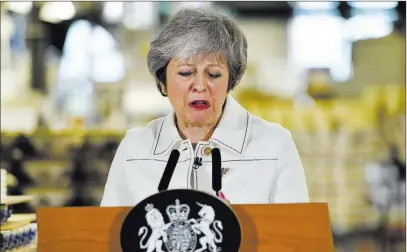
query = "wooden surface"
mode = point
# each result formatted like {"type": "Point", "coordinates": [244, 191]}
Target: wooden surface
{"type": "Point", "coordinates": [266, 228]}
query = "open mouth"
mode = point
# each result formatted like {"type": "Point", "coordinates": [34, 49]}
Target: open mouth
{"type": "Point", "coordinates": [199, 104]}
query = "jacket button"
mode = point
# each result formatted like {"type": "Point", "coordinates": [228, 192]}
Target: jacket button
{"type": "Point", "coordinates": [206, 151]}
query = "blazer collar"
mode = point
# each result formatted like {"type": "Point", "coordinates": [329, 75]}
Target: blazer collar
{"type": "Point", "coordinates": [231, 132]}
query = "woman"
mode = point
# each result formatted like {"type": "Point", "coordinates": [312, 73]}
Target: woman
{"type": "Point", "coordinates": [197, 59]}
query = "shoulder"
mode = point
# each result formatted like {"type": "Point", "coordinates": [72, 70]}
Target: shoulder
{"type": "Point", "coordinates": [145, 132]}
{"type": "Point", "coordinates": [263, 129]}
{"type": "Point", "coordinates": [267, 139]}
{"type": "Point", "coordinates": [138, 141]}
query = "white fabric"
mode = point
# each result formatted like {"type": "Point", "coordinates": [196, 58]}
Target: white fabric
{"type": "Point", "coordinates": [261, 160]}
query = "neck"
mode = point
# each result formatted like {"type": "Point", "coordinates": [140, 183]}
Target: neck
{"type": "Point", "coordinates": [195, 133]}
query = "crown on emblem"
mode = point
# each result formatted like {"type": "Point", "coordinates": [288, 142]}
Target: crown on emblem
{"type": "Point", "coordinates": [149, 207]}
{"type": "Point", "coordinates": [178, 211]}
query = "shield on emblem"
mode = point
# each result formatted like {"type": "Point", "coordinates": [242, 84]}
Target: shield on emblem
{"type": "Point", "coordinates": [181, 237]}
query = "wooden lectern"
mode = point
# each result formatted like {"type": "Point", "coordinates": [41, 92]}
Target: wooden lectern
{"type": "Point", "coordinates": [266, 228]}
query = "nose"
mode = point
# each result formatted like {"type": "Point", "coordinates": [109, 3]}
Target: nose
{"type": "Point", "coordinates": [200, 83]}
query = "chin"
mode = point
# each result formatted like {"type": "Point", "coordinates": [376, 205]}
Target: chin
{"type": "Point", "coordinates": [200, 118]}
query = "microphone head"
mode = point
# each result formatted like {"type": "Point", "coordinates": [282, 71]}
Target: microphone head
{"type": "Point", "coordinates": [216, 170]}
{"type": "Point", "coordinates": [169, 170]}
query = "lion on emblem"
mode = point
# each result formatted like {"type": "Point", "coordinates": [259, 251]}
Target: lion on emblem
{"type": "Point", "coordinates": [156, 221]}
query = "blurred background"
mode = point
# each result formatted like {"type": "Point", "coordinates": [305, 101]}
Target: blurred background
{"type": "Point", "coordinates": [74, 77]}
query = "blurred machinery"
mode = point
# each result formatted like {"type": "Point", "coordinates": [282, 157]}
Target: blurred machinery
{"type": "Point", "coordinates": [346, 109]}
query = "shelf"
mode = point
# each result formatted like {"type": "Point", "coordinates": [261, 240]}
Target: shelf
{"type": "Point", "coordinates": [18, 220]}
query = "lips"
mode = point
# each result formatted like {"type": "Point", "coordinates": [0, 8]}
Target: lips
{"type": "Point", "coordinates": [199, 104]}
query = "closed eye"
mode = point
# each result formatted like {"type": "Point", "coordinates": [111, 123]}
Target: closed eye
{"type": "Point", "coordinates": [185, 74]}
{"type": "Point", "coordinates": [214, 76]}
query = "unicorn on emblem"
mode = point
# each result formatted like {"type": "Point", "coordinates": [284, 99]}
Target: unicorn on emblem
{"type": "Point", "coordinates": [207, 214]}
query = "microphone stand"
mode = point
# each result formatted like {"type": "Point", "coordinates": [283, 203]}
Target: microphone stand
{"type": "Point", "coordinates": [216, 171]}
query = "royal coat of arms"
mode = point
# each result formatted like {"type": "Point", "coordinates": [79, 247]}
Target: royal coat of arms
{"type": "Point", "coordinates": [181, 233]}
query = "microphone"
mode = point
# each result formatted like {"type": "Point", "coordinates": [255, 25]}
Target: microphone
{"type": "Point", "coordinates": [169, 170]}
{"type": "Point", "coordinates": [216, 171]}
{"type": "Point", "coordinates": [197, 163]}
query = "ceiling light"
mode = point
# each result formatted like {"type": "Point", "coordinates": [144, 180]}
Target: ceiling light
{"type": "Point", "coordinates": [374, 5]}
{"type": "Point", "coordinates": [55, 12]}
{"type": "Point", "coordinates": [113, 12]}
{"type": "Point", "coordinates": [19, 7]}
{"type": "Point", "coordinates": [139, 15]}
{"type": "Point", "coordinates": [316, 5]}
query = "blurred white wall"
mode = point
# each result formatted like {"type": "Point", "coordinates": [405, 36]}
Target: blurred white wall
{"type": "Point", "coordinates": [268, 58]}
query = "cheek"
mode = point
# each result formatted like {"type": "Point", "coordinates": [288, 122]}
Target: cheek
{"type": "Point", "coordinates": [220, 86]}
{"type": "Point", "coordinates": [177, 92]}
{"type": "Point", "coordinates": [177, 88]}
{"type": "Point", "coordinates": [219, 90]}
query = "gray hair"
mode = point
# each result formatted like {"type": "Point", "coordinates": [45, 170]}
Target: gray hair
{"type": "Point", "coordinates": [193, 32]}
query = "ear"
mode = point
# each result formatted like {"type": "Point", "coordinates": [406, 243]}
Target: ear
{"type": "Point", "coordinates": [163, 89]}
{"type": "Point", "coordinates": [162, 86]}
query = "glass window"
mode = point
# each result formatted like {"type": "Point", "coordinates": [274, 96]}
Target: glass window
{"type": "Point", "coordinates": [319, 41]}
{"type": "Point", "coordinates": [90, 54]}
{"type": "Point", "coordinates": [369, 26]}
{"type": "Point", "coordinates": [371, 20]}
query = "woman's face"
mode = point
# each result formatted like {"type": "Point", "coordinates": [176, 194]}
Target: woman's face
{"type": "Point", "coordinates": [197, 90]}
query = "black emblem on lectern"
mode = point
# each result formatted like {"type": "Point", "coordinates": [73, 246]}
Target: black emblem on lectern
{"type": "Point", "coordinates": [181, 221]}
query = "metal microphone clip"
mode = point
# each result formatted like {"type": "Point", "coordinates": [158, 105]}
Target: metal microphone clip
{"type": "Point", "coordinates": [197, 163]}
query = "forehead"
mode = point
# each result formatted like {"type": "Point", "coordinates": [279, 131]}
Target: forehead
{"type": "Point", "coordinates": [203, 59]}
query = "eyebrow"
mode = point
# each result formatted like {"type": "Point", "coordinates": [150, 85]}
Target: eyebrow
{"type": "Point", "coordinates": [218, 65]}
{"type": "Point", "coordinates": [184, 64]}
{"type": "Point", "coordinates": [191, 65]}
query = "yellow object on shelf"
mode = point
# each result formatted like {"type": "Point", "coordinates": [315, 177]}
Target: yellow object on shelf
{"type": "Point", "coordinates": [394, 99]}
{"type": "Point", "coordinates": [18, 220]}
{"type": "Point", "coordinates": [68, 133]}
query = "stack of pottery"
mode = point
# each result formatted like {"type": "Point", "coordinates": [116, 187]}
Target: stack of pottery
{"type": "Point", "coordinates": [18, 231]}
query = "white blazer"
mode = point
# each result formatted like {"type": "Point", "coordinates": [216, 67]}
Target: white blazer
{"type": "Point", "coordinates": [260, 162]}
